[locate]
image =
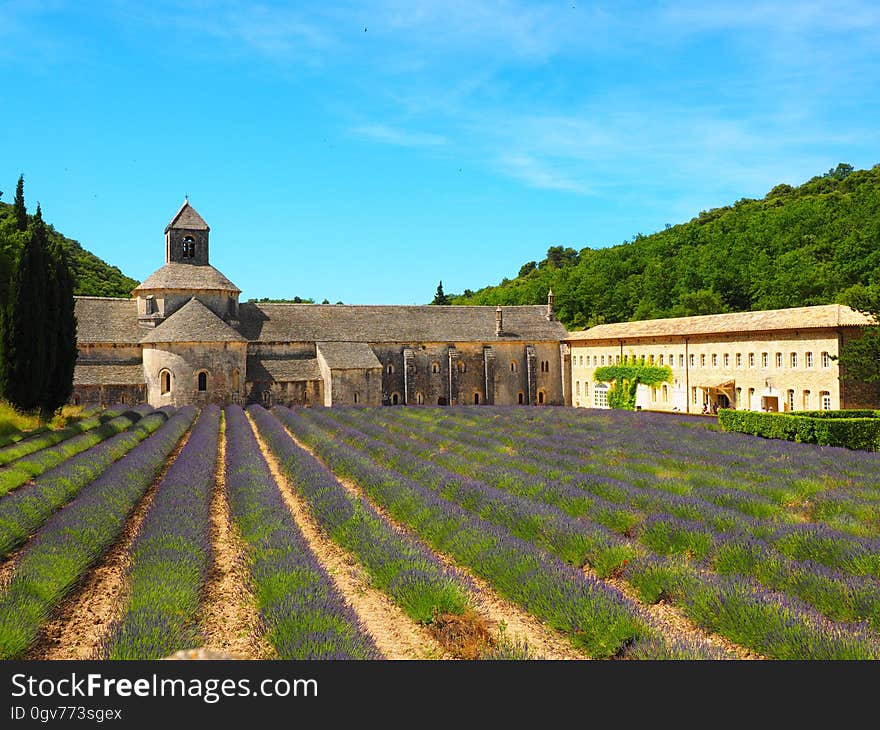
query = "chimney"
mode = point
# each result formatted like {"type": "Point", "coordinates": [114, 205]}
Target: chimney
{"type": "Point", "coordinates": [498, 327]}
{"type": "Point", "coordinates": [551, 315]}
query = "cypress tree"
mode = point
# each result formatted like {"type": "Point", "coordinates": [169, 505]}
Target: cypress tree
{"type": "Point", "coordinates": [18, 209]}
{"type": "Point", "coordinates": [25, 332]}
{"type": "Point", "coordinates": [61, 332]}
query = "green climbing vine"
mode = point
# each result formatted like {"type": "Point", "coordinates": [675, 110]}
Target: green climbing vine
{"type": "Point", "coordinates": [625, 378]}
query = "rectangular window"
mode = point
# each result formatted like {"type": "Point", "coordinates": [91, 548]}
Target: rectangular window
{"type": "Point", "coordinates": [577, 387]}
{"type": "Point", "coordinates": [739, 360]}
{"type": "Point", "coordinates": [617, 359]}
{"type": "Point", "coordinates": [692, 359]}
{"type": "Point", "coordinates": [794, 359]}
{"type": "Point", "coordinates": [751, 359]}
{"type": "Point", "coordinates": [765, 359]}
{"type": "Point", "coordinates": [826, 360]}
{"type": "Point", "coordinates": [806, 400]}
{"type": "Point", "coordinates": [681, 361]}
{"type": "Point", "coordinates": [661, 360]}
{"type": "Point", "coordinates": [603, 359]}
{"type": "Point", "coordinates": [650, 359]}
{"type": "Point", "coordinates": [809, 357]}
{"type": "Point", "coordinates": [702, 361]}
{"type": "Point", "coordinates": [714, 360]}
{"type": "Point", "coordinates": [825, 400]}
{"type": "Point", "coordinates": [727, 359]}
{"type": "Point", "coordinates": [790, 399]}
{"type": "Point", "coordinates": [751, 405]}
{"type": "Point", "coordinates": [653, 395]}
{"type": "Point", "coordinates": [600, 397]}
{"type": "Point", "coordinates": [779, 359]}
{"type": "Point", "coordinates": [739, 398]}
{"type": "Point", "coordinates": [694, 395]}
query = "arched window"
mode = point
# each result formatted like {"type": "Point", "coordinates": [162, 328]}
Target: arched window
{"type": "Point", "coordinates": [394, 399]}
{"type": "Point", "coordinates": [189, 247]}
{"type": "Point", "coordinates": [541, 396]}
{"type": "Point", "coordinates": [420, 399]}
{"type": "Point", "coordinates": [390, 369]}
{"type": "Point", "coordinates": [165, 382]}
{"type": "Point", "coordinates": [202, 379]}
{"type": "Point", "coordinates": [267, 397]}
{"type": "Point", "coordinates": [476, 399]}
{"type": "Point", "coordinates": [514, 368]}
{"type": "Point", "coordinates": [435, 367]}
{"type": "Point", "coordinates": [236, 379]}
{"type": "Point", "coordinates": [520, 398]}
{"type": "Point", "coordinates": [357, 397]}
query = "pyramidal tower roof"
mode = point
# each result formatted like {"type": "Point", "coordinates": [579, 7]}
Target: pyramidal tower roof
{"type": "Point", "coordinates": [187, 217]}
{"type": "Point", "coordinates": [193, 322]}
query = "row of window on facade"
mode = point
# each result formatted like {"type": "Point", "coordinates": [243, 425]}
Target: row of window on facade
{"type": "Point", "coordinates": [166, 381]}
{"type": "Point", "coordinates": [395, 398]}
{"type": "Point", "coordinates": [794, 360]}
{"type": "Point", "coordinates": [462, 367]}
{"type": "Point", "coordinates": [793, 402]}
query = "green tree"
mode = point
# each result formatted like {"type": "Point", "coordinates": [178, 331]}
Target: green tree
{"type": "Point", "coordinates": [62, 350]}
{"type": "Point", "coordinates": [527, 268]}
{"type": "Point", "coordinates": [23, 372]}
{"type": "Point", "coordinates": [440, 297]}
{"type": "Point", "coordinates": [18, 209]}
{"type": "Point", "coordinates": [860, 358]}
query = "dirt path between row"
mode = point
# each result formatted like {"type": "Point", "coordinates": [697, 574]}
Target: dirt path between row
{"type": "Point", "coordinates": [396, 635]}
{"type": "Point", "coordinates": [543, 641]}
{"type": "Point", "coordinates": [230, 618]}
{"type": "Point", "coordinates": [83, 620]}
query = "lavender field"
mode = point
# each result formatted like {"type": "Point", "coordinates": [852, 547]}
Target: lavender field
{"type": "Point", "coordinates": [458, 533]}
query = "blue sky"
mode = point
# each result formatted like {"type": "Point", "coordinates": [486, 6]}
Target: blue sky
{"type": "Point", "coordinates": [363, 151]}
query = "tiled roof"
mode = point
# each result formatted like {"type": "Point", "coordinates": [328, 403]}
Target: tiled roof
{"type": "Point", "coordinates": [390, 323]}
{"type": "Point", "coordinates": [187, 218]}
{"type": "Point", "coordinates": [796, 318]}
{"type": "Point", "coordinates": [282, 370]}
{"type": "Point", "coordinates": [106, 320]}
{"type": "Point", "coordinates": [187, 276]}
{"type": "Point", "coordinates": [348, 355]}
{"type": "Point", "coordinates": [193, 322]}
{"type": "Point", "coordinates": [96, 374]}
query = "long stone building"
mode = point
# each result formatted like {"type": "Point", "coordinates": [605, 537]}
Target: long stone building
{"type": "Point", "coordinates": [775, 360]}
{"type": "Point", "coordinates": [184, 337]}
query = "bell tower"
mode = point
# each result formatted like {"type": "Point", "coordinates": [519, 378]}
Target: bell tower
{"type": "Point", "coordinates": [186, 238]}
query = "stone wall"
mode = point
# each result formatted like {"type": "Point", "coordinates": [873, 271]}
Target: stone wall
{"type": "Point", "coordinates": [456, 373]}
{"type": "Point", "coordinates": [167, 301]}
{"type": "Point", "coordinates": [174, 246]}
{"type": "Point", "coordinates": [297, 393]}
{"type": "Point", "coordinates": [106, 395]}
{"type": "Point", "coordinates": [220, 360]}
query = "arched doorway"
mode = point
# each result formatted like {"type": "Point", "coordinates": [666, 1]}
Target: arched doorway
{"type": "Point", "coordinates": [441, 401]}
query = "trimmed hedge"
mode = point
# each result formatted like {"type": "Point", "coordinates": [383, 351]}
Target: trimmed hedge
{"type": "Point", "coordinates": [807, 427]}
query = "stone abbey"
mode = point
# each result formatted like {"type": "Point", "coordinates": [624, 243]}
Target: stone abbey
{"type": "Point", "coordinates": [184, 338]}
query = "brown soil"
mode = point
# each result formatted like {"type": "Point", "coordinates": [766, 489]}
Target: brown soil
{"type": "Point", "coordinates": [84, 619]}
{"type": "Point", "coordinates": [495, 610]}
{"type": "Point", "coordinates": [7, 568]}
{"type": "Point", "coordinates": [396, 635]}
{"type": "Point", "coordinates": [229, 615]}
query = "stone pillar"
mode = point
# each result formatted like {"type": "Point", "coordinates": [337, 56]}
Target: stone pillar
{"type": "Point", "coordinates": [488, 375]}
{"type": "Point", "coordinates": [409, 376]}
{"type": "Point", "coordinates": [565, 358]}
{"type": "Point", "coordinates": [454, 357]}
{"type": "Point", "coordinates": [532, 375]}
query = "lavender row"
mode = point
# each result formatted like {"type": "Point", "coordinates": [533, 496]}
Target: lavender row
{"type": "Point", "coordinates": [413, 577]}
{"type": "Point", "coordinates": [171, 555]}
{"type": "Point", "coordinates": [50, 438]}
{"type": "Point", "coordinates": [75, 537]}
{"type": "Point", "coordinates": [28, 467]}
{"type": "Point", "coordinates": [575, 541]}
{"type": "Point", "coordinates": [24, 510]}
{"type": "Point", "coordinates": [304, 614]}
{"type": "Point", "coordinates": [798, 541]}
{"type": "Point", "coordinates": [697, 543]}
{"type": "Point", "coordinates": [721, 535]}
{"type": "Point", "coordinates": [596, 618]}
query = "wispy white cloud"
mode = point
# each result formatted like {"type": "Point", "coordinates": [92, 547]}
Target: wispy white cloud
{"type": "Point", "coordinates": [537, 173]}
{"type": "Point", "coordinates": [397, 136]}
